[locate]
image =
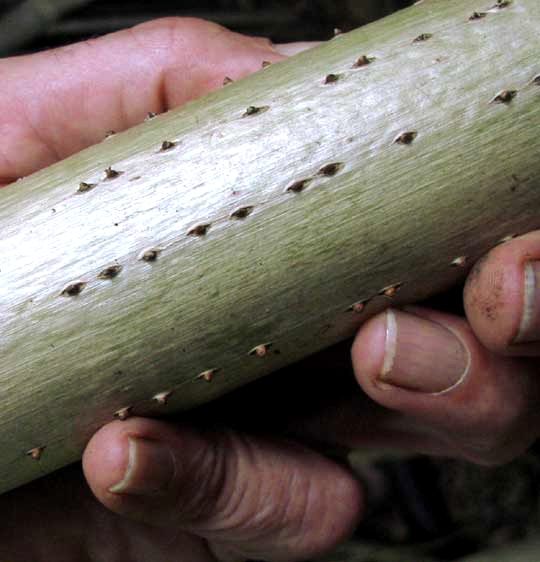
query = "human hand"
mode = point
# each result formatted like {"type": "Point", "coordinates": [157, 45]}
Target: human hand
{"type": "Point", "coordinates": [232, 496]}
{"type": "Point", "coordinates": [447, 385]}
{"type": "Point", "coordinates": [225, 496]}
{"type": "Point", "coordinates": [480, 373]}
{"type": "Point", "coordinates": [57, 102]}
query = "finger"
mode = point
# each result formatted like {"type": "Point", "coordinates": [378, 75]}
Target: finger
{"type": "Point", "coordinates": [453, 396]}
{"type": "Point", "coordinates": [502, 297]}
{"type": "Point", "coordinates": [249, 498]}
{"type": "Point", "coordinates": [57, 102]}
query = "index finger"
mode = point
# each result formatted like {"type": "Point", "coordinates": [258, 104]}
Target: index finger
{"type": "Point", "coordinates": [57, 102]}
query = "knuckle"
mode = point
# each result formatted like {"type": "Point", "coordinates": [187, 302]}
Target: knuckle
{"type": "Point", "coordinates": [174, 32]}
{"type": "Point", "coordinates": [264, 43]}
{"type": "Point", "coordinates": [247, 498]}
{"type": "Point", "coordinates": [196, 495]}
{"type": "Point", "coordinates": [177, 24]}
{"type": "Point", "coordinates": [226, 493]}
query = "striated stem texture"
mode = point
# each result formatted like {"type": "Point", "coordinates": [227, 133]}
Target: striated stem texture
{"type": "Point", "coordinates": [214, 244]}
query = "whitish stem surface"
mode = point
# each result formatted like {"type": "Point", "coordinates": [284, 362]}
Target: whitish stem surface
{"type": "Point", "coordinates": [214, 244]}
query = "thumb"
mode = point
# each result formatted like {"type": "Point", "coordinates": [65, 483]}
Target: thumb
{"type": "Point", "coordinates": [249, 498]}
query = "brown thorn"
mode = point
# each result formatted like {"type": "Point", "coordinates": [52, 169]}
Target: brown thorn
{"type": "Point", "coordinates": [208, 376]}
{"type": "Point", "coordinates": [363, 61]}
{"type": "Point", "coordinates": [162, 397]}
{"type": "Point", "coordinates": [390, 291]}
{"type": "Point", "coordinates": [73, 289]}
{"type": "Point", "coordinates": [358, 307]}
{"type": "Point", "coordinates": [422, 37]}
{"type": "Point", "coordinates": [507, 238]}
{"type": "Point", "coordinates": [461, 261]}
{"type": "Point", "coordinates": [477, 16]}
{"type": "Point", "coordinates": [253, 110]}
{"type": "Point", "coordinates": [332, 78]}
{"type": "Point", "coordinates": [242, 213]}
{"type": "Point", "coordinates": [260, 350]}
{"type": "Point", "coordinates": [124, 413]}
{"type": "Point", "coordinates": [35, 453]}
{"type": "Point", "coordinates": [167, 145]}
{"type": "Point", "coordinates": [406, 137]}
{"type": "Point", "coordinates": [111, 174]}
{"type": "Point", "coordinates": [110, 272]}
{"type": "Point", "coordinates": [150, 254]}
{"type": "Point", "coordinates": [84, 187]}
{"type": "Point", "coordinates": [298, 186]}
{"type": "Point", "coordinates": [505, 96]}
{"type": "Point", "coordinates": [330, 169]}
{"type": "Point", "coordinates": [227, 81]}
{"type": "Point", "coordinates": [199, 230]}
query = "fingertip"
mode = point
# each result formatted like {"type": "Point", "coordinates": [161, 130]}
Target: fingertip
{"type": "Point", "coordinates": [501, 297]}
{"type": "Point", "coordinates": [108, 458]}
{"type": "Point", "coordinates": [368, 349]}
{"type": "Point", "coordinates": [413, 350]}
{"type": "Point", "coordinates": [104, 457]}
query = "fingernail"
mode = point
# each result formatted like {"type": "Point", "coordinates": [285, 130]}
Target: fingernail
{"type": "Point", "coordinates": [290, 49]}
{"type": "Point", "coordinates": [149, 468]}
{"type": "Point", "coordinates": [422, 355]}
{"type": "Point", "coordinates": [529, 328]}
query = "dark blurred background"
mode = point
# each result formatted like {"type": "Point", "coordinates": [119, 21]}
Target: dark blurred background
{"type": "Point", "coordinates": [31, 25]}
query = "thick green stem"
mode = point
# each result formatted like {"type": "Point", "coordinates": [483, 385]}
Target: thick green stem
{"type": "Point", "coordinates": [281, 212]}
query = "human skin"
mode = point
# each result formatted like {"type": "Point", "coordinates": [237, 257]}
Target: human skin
{"type": "Point", "coordinates": [422, 380]}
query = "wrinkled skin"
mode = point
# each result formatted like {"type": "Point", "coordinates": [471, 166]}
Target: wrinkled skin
{"type": "Point", "coordinates": [203, 490]}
